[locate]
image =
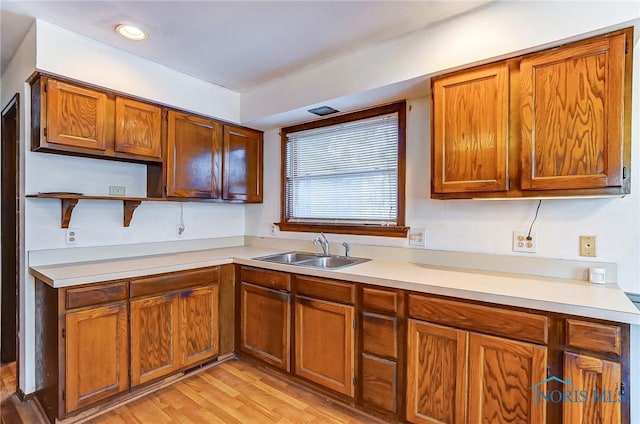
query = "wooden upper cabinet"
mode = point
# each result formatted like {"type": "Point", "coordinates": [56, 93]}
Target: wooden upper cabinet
{"type": "Point", "coordinates": [470, 130]}
{"type": "Point", "coordinates": [193, 156]}
{"type": "Point", "coordinates": [138, 128]}
{"type": "Point", "coordinates": [501, 376]}
{"type": "Point", "coordinates": [242, 164]}
{"type": "Point", "coordinates": [75, 116]}
{"type": "Point", "coordinates": [572, 109]}
{"type": "Point", "coordinates": [600, 381]}
{"type": "Point", "coordinates": [97, 360]}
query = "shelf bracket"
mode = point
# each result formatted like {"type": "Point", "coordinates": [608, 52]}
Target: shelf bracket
{"type": "Point", "coordinates": [129, 207]}
{"type": "Point", "coordinates": [67, 210]}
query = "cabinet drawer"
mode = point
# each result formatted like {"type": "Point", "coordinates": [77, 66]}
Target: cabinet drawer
{"type": "Point", "coordinates": [379, 377]}
{"type": "Point", "coordinates": [380, 334]}
{"type": "Point", "coordinates": [174, 281]}
{"type": "Point", "coordinates": [269, 279]}
{"type": "Point", "coordinates": [380, 300]}
{"type": "Point", "coordinates": [325, 289]}
{"type": "Point", "coordinates": [592, 336]}
{"type": "Point", "coordinates": [95, 295]}
{"type": "Point", "coordinates": [486, 319]}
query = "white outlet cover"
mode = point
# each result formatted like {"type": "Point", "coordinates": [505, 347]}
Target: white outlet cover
{"type": "Point", "coordinates": [71, 237]}
{"type": "Point", "coordinates": [521, 242]}
{"type": "Point", "coordinates": [418, 237]}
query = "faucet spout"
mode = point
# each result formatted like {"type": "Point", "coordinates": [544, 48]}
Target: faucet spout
{"type": "Point", "coordinates": [324, 243]}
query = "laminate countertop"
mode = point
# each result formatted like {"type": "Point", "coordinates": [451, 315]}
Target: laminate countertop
{"type": "Point", "coordinates": [573, 297]}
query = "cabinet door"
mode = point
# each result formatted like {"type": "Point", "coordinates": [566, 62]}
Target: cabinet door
{"type": "Point", "coordinates": [325, 343]}
{"type": "Point", "coordinates": [501, 376]}
{"type": "Point", "coordinates": [97, 362]}
{"type": "Point", "coordinates": [265, 324]}
{"type": "Point", "coordinates": [193, 156]}
{"type": "Point", "coordinates": [436, 373]}
{"type": "Point", "coordinates": [138, 128]}
{"type": "Point", "coordinates": [199, 324]}
{"type": "Point", "coordinates": [242, 164]}
{"type": "Point", "coordinates": [76, 116]}
{"type": "Point", "coordinates": [155, 344]}
{"type": "Point", "coordinates": [572, 116]}
{"type": "Point", "coordinates": [470, 130]}
{"type": "Point", "coordinates": [600, 381]}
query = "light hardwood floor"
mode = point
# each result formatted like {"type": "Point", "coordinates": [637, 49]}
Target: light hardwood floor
{"type": "Point", "coordinates": [234, 392]}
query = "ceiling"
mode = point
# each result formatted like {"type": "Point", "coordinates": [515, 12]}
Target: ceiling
{"type": "Point", "coordinates": [236, 44]}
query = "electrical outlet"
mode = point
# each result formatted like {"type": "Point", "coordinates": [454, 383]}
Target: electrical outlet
{"type": "Point", "coordinates": [117, 190]}
{"type": "Point", "coordinates": [524, 242]}
{"type": "Point", "coordinates": [588, 246]}
{"type": "Point", "coordinates": [180, 231]}
{"type": "Point", "coordinates": [71, 237]}
{"type": "Point", "coordinates": [418, 237]}
{"type": "Point", "coordinates": [274, 229]}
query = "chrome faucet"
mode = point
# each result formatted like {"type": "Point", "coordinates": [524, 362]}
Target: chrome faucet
{"type": "Point", "coordinates": [324, 243]}
{"type": "Point", "coordinates": [347, 249]}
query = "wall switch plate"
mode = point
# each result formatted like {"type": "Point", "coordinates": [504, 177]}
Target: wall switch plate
{"type": "Point", "coordinates": [524, 242]}
{"type": "Point", "coordinates": [588, 246]}
{"type": "Point", "coordinates": [418, 237]}
{"type": "Point", "coordinates": [274, 229]}
{"type": "Point", "coordinates": [117, 190]}
{"type": "Point", "coordinates": [71, 237]}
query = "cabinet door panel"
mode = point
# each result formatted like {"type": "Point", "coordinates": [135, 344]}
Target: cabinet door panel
{"type": "Point", "coordinates": [379, 379]}
{"type": "Point", "coordinates": [265, 324]}
{"type": "Point", "coordinates": [501, 375]}
{"type": "Point", "coordinates": [155, 345]}
{"type": "Point", "coordinates": [76, 116]}
{"type": "Point", "coordinates": [138, 128]}
{"type": "Point", "coordinates": [96, 354]}
{"type": "Point", "coordinates": [572, 116]}
{"type": "Point", "coordinates": [193, 156]}
{"type": "Point", "coordinates": [593, 375]}
{"type": "Point", "coordinates": [325, 343]}
{"type": "Point", "coordinates": [436, 374]}
{"type": "Point", "coordinates": [470, 130]}
{"type": "Point", "coordinates": [199, 324]}
{"type": "Point", "coordinates": [242, 164]}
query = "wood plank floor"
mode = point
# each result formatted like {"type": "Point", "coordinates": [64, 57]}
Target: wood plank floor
{"type": "Point", "coordinates": [234, 392]}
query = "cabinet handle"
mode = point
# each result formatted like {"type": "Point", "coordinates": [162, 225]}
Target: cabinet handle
{"type": "Point", "coordinates": [375, 319]}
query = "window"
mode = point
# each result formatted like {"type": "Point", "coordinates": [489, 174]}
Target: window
{"type": "Point", "coordinates": [346, 174]}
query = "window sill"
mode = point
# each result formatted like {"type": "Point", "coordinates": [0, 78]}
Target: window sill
{"type": "Point", "coordinates": [359, 230]}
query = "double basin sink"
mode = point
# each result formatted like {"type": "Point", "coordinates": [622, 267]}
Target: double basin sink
{"type": "Point", "coordinates": [312, 260]}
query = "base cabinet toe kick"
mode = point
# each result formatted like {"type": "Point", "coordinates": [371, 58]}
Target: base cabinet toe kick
{"type": "Point", "coordinates": [400, 355]}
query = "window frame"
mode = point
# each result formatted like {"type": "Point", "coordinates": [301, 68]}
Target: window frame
{"type": "Point", "coordinates": [398, 230]}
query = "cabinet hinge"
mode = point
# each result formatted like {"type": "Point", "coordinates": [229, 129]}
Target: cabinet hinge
{"type": "Point", "coordinates": [64, 333]}
{"type": "Point", "coordinates": [622, 389]}
{"type": "Point", "coordinates": [353, 380]}
{"type": "Point", "coordinates": [354, 323]}
{"type": "Point", "coordinates": [548, 371]}
{"type": "Point", "coordinates": [64, 395]}
{"type": "Point", "coordinates": [625, 172]}
{"type": "Point", "coordinates": [45, 87]}
{"type": "Point", "coordinates": [45, 131]}
{"type": "Point", "coordinates": [626, 47]}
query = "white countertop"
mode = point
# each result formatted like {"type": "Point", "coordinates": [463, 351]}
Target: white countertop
{"type": "Point", "coordinates": [574, 297]}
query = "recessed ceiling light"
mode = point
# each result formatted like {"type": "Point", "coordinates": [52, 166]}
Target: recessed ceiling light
{"type": "Point", "coordinates": [323, 110]}
{"type": "Point", "coordinates": [131, 32]}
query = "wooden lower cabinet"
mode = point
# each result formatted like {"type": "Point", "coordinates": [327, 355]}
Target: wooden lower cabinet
{"type": "Point", "coordinates": [97, 354]}
{"type": "Point", "coordinates": [265, 324]}
{"type": "Point", "coordinates": [325, 343]}
{"type": "Point", "coordinates": [199, 339]}
{"type": "Point", "coordinates": [379, 382]}
{"type": "Point", "coordinates": [601, 392]}
{"type": "Point", "coordinates": [454, 376]}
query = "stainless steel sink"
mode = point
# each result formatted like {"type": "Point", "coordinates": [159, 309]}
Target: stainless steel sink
{"type": "Point", "coordinates": [312, 260]}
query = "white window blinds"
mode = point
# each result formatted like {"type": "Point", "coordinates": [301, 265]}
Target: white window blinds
{"type": "Point", "coordinates": [344, 174]}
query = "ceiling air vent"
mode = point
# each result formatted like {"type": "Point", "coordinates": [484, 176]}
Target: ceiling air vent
{"type": "Point", "coordinates": [323, 110]}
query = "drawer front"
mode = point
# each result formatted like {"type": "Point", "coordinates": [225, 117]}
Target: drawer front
{"type": "Point", "coordinates": [380, 335]}
{"type": "Point", "coordinates": [593, 336]}
{"type": "Point", "coordinates": [270, 279]}
{"type": "Point", "coordinates": [174, 281]}
{"type": "Point", "coordinates": [379, 379]}
{"type": "Point", "coordinates": [326, 289]}
{"type": "Point", "coordinates": [380, 300]}
{"type": "Point", "coordinates": [485, 319]}
{"type": "Point", "coordinates": [96, 295]}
